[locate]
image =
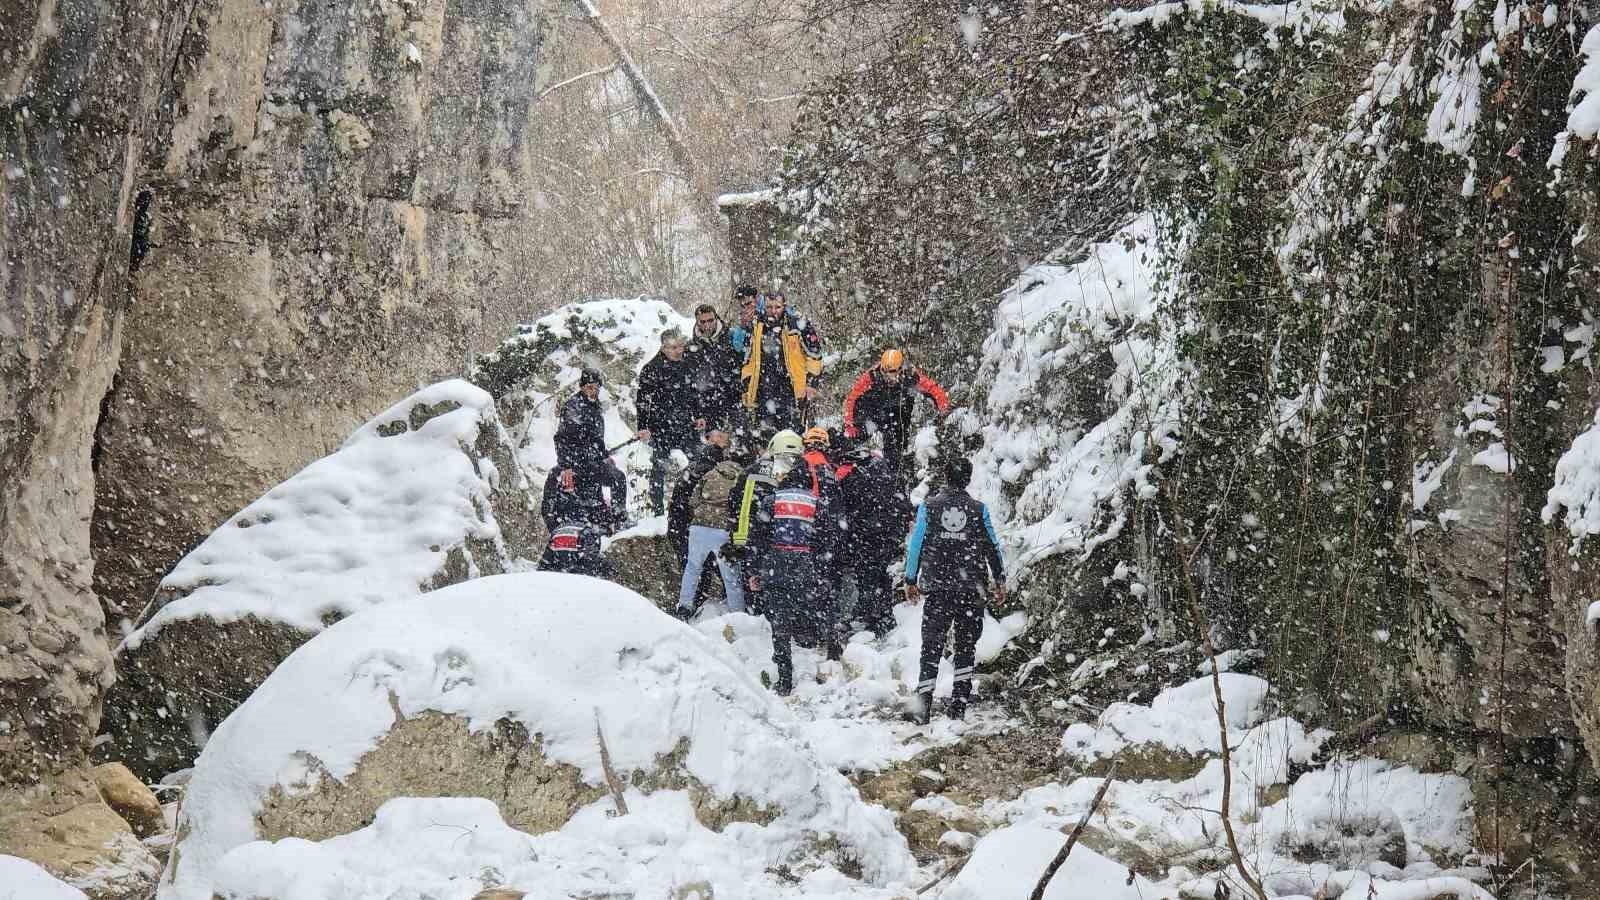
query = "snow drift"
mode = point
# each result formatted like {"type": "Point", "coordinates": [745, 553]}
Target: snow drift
{"type": "Point", "coordinates": [23, 880]}
{"type": "Point", "coordinates": [533, 666]}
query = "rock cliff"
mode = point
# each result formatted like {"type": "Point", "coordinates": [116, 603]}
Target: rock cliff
{"type": "Point", "coordinates": [338, 210]}
{"type": "Point", "coordinates": [76, 101]}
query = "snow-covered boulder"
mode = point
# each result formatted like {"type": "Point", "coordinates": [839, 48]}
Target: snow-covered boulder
{"type": "Point", "coordinates": [534, 372]}
{"type": "Point", "coordinates": [522, 689]}
{"type": "Point", "coordinates": [429, 493]}
{"type": "Point", "coordinates": [1007, 864]}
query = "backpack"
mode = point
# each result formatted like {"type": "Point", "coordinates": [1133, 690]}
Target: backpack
{"type": "Point", "coordinates": [710, 504]}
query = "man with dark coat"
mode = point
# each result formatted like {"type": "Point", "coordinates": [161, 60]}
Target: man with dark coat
{"type": "Point", "coordinates": [883, 399]}
{"type": "Point", "coordinates": [953, 546]}
{"type": "Point", "coordinates": [577, 517]}
{"type": "Point", "coordinates": [667, 411]}
{"type": "Point", "coordinates": [876, 519]}
{"type": "Point", "coordinates": [781, 366]}
{"type": "Point", "coordinates": [714, 367]}
{"type": "Point", "coordinates": [581, 444]}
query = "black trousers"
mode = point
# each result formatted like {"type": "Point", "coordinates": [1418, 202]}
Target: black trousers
{"type": "Point", "coordinates": [788, 600]}
{"type": "Point", "coordinates": [874, 594]}
{"type": "Point", "coordinates": [962, 608]}
{"type": "Point", "coordinates": [660, 467]}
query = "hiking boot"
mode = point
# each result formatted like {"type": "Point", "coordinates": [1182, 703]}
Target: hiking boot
{"type": "Point", "coordinates": [784, 687]}
{"type": "Point", "coordinates": [920, 709]}
{"type": "Point", "coordinates": [683, 613]}
{"type": "Point", "coordinates": [956, 711]}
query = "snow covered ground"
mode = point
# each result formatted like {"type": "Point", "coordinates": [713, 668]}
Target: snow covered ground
{"type": "Point", "coordinates": [850, 710]}
{"type": "Point", "coordinates": [22, 880]}
{"type": "Point", "coordinates": [562, 655]}
{"type": "Point", "coordinates": [1341, 828]}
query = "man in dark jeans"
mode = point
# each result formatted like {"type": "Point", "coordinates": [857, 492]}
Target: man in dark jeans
{"type": "Point", "coordinates": [780, 521]}
{"type": "Point", "coordinates": [667, 411]}
{"type": "Point", "coordinates": [952, 544]}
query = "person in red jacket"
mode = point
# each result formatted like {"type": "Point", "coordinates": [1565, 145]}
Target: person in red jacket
{"type": "Point", "coordinates": [883, 398]}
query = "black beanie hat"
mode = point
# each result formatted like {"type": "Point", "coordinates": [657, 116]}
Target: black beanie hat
{"type": "Point", "coordinates": [589, 376]}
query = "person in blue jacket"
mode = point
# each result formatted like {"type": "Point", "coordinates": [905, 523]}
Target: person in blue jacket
{"type": "Point", "coordinates": [953, 548]}
{"type": "Point", "coordinates": [745, 300]}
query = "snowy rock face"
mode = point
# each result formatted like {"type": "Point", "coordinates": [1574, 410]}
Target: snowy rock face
{"type": "Point", "coordinates": [1572, 508]}
{"type": "Point", "coordinates": [1081, 402]}
{"type": "Point", "coordinates": [534, 372]}
{"type": "Point", "coordinates": [427, 494]}
{"type": "Point", "coordinates": [1459, 500]}
{"type": "Point", "coordinates": [1573, 513]}
{"type": "Point", "coordinates": [78, 84]}
{"type": "Point", "coordinates": [339, 216]}
{"type": "Point", "coordinates": [521, 690]}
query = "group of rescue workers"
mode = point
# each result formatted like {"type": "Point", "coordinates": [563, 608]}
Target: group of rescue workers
{"type": "Point", "coordinates": [805, 524]}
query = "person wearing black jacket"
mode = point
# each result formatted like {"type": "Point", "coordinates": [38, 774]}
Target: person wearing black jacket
{"type": "Point", "coordinates": [953, 546]}
{"type": "Point", "coordinates": [714, 367]}
{"type": "Point", "coordinates": [883, 399]}
{"type": "Point", "coordinates": [576, 516]}
{"type": "Point", "coordinates": [876, 518]}
{"type": "Point", "coordinates": [667, 411]}
{"type": "Point", "coordinates": [581, 443]}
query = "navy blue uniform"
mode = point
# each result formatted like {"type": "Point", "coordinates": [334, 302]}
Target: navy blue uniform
{"type": "Point", "coordinates": [953, 548]}
{"type": "Point", "coordinates": [576, 515]}
{"type": "Point", "coordinates": [873, 527]}
{"type": "Point", "coordinates": [784, 539]}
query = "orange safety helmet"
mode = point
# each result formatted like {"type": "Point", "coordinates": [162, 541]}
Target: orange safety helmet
{"type": "Point", "coordinates": [816, 436]}
{"type": "Point", "coordinates": [891, 360]}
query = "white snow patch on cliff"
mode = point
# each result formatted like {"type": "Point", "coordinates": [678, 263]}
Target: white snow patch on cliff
{"type": "Point", "coordinates": [1577, 487]}
{"type": "Point", "coordinates": [1053, 322]}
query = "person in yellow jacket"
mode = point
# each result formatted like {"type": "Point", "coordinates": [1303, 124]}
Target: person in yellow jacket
{"type": "Point", "coordinates": [782, 360]}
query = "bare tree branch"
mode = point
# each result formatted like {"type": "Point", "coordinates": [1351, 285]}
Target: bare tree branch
{"type": "Point", "coordinates": [1061, 855]}
{"type": "Point", "coordinates": [606, 70]}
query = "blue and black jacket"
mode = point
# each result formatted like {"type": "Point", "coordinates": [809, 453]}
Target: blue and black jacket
{"type": "Point", "coordinates": [952, 543]}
